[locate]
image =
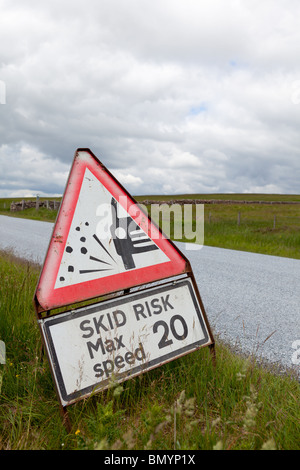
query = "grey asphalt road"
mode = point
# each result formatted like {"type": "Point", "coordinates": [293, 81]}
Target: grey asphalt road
{"type": "Point", "coordinates": [252, 301]}
{"type": "Point", "coordinates": [27, 239]}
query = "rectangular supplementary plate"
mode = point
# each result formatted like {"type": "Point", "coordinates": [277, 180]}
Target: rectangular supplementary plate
{"type": "Point", "coordinates": [120, 338]}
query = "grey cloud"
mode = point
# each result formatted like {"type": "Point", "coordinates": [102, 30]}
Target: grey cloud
{"type": "Point", "coordinates": [173, 98]}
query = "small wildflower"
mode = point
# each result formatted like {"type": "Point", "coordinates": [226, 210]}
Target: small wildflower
{"type": "Point", "coordinates": [216, 421]}
{"type": "Point", "coordinates": [102, 445]}
{"type": "Point", "coordinates": [218, 446]}
{"type": "Point", "coordinates": [252, 409]}
{"type": "Point", "coordinates": [269, 445]}
{"type": "Point", "coordinates": [129, 439]}
{"type": "Point", "coordinates": [77, 432]}
{"type": "Point", "coordinates": [240, 376]}
{"type": "Point", "coordinates": [117, 391]}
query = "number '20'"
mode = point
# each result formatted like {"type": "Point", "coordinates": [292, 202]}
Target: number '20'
{"type": "Point", "coordinates": [165, 341]}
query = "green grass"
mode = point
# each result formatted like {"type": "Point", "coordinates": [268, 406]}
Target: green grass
{"type": "Point", "coordinates": [255, 233]}
{"type": "Point", "coordinates": [186, 404]}
{"type": "Point", "coordinates": [44, 214]}
{"type": "Point", "coordinates": [257, 230]}
{"type": "Point", "coordinates": [227, 196]}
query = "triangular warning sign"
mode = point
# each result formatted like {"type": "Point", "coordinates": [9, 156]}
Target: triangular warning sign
{"type": "Point", "coordinates": [102, 241]}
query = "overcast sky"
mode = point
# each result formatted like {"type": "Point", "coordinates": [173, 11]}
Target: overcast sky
{"type": "Point", "coordinates": [173, 96]}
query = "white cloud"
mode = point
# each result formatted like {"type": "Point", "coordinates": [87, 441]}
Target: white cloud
{"type": "Point", "coordinates": [267, 189]}
{"type": "Point", "coordinates": [172, 96]}
{"type": "Point", "coordinates": [27, 166]}
{"type": "Point", "coordinates": [127, 179]}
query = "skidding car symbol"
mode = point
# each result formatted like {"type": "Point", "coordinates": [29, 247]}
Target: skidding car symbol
{"type": "Point", "coordinates": [129, 239]}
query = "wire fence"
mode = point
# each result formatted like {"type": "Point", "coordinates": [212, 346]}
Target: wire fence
{"type": "Point", "coordinates": [13, 206]}
{"type": "Point", "coordinates": [271, 220]}
{"type": "Point", "coordinates": [274, 217]}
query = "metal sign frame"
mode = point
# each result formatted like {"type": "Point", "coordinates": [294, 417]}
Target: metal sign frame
{"type": "Point", "coordinates": [50, 314]}
{"type": "Point", "coordinates": [123, 337]}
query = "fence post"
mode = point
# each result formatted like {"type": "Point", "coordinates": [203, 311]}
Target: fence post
{"type": "Point", "coordinates": [239, 218]}
{"type": "Point", "coordinates": [274, 222]}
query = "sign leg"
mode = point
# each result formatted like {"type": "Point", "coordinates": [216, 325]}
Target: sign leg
{"type": "Point", "coordinates": [213, 354]}
{"type": "Point", "coordinates": [66, 419]}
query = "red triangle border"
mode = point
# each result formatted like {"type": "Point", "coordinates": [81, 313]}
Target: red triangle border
{"type": "Point", "coordinates": [47, 297]}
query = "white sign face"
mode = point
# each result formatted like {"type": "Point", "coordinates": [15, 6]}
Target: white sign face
{"type": "Point", "coordinates": [122, 337]}
{"type": "Point", "coordinates": [98, 244]}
